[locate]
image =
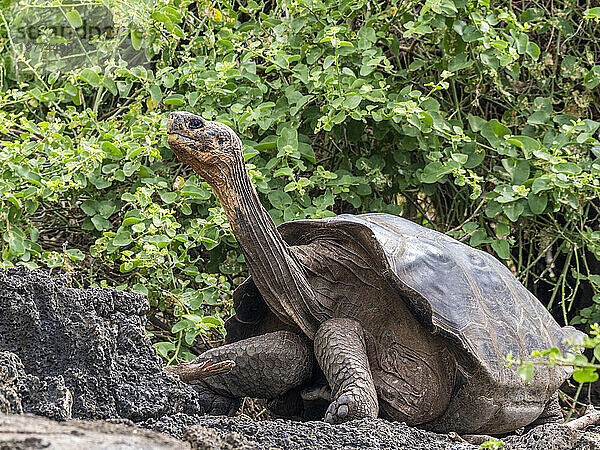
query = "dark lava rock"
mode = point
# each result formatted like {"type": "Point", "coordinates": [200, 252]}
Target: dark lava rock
{"type": "Point", "coordinates": [80, 353]}
{"type": "Point", "coordinates": [174, 425]}
{"type": "Point", "coordinates": [27, 432]}
{"type": "Point", "coordinates": [202, 438]}
{"type": "Point", "coordinates": [290, 435]}
{"type": "Point", "coordinates": [48, 397]}
{"type": "Point", "coordinates": [225, 433]}
{"type": "Point", "coordinates": [553, 436]}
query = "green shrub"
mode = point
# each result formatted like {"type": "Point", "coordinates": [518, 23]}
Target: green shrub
{"type": "Point", "coordinates": [471, 118]}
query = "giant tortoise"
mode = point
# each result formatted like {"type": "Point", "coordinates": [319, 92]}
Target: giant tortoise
{"type": "Point", "coordinates": [404, 322]}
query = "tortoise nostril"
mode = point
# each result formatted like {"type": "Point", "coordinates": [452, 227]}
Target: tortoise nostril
{"type": "Point", "coordinates": [195, 124]}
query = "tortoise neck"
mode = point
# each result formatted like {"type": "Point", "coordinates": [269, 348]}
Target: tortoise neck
{"type": "Point", "coordinates": [275, 269]}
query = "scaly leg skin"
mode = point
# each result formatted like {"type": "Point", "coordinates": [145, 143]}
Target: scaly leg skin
{"type": "Point", "coordinates": [266, 366]}
{"type": "Point", "coordinates": [341, 351]}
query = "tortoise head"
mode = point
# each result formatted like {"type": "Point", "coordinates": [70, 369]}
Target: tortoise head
{"type": "Point", "coordinates": [210, 148]}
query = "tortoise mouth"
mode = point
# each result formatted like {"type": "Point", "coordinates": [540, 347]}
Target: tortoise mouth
{"type": "Point", "coordinates": [182, 138]}
{"type": "Point", "coordinates": [174, 135]}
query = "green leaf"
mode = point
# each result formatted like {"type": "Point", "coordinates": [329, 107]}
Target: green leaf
{"type": "Point", "coordinates": [592, 13]}
{"type": "Point", "coordinates": [128, 197]}
{"type": "Point", "coordinates": [460, 62]}
{"type": "Point", "coordinates": [501, 247]}
{"type": "Point", "coordinates": [268, 143]}
{"type": "Point", "coordinates": [159, 16]}
{"type": "Point", "coordinates": [289, 136]}
{"type": "Point", "coordinates": [100, 223]}
{"type": "Point", "coordinates": [539, 117]}
{"type": "Point", "coordinates": [353, 101]}
{"type": "Point", "coordinates": [74, 18]}
{"type": "Point", "coordinates": [521, 172]}
{"type": "Point", "coordinates": [109, 84]}
{"type": "Point", "coordinates": [15, 241]}
{"type": "Point", "coordinates": [136, 39]}
{"type": "Point", "coordinates": [525, 143]}
{"type": "Point", "coordinates": [249, 153]}
{"type": "Point", "coordinates": [533, 50]}
{"type": "Point", "coordinates": [36, 93]}
{"type": "Point", "coordinates": [140, 289]}
{"type": "Point", "coordinates": [193, 317]}
{"type": "Point", "coordinates": [106, 208]}
{"type": "Point", "coordinates": [460, 158]}
{"type": "Point", "coordinates": [212, 321]}
{"type": "Point", "coordinates": [478, 237]}
{"type": "Point", "coordinates": [181, 325]}
{"type": "Point", "coordinates": [366, 35]}
{"type": "Point", "coordinates": [279, 199]}
{"type": "Point", "coordinates": [493, 131]}
{"type": "Point", "coordinates": [75, 254]}
{"type": "Point", "coordinates": [592, 78]}
{"type": "Point", "coordinates": [517, 169]}
{"type": "Point", "coordinates": [163, 348]}
{"type": "Point", "coordinates": [175, 100]}
{"type": "Point", "coordinates": [434, 171]}
{"type": "Point", "coordinates": [185, 209]}
{"type": "Point", "coordinates": [195, 192]}
{"type": "Point", "coordinates": [537, 202]}
{"type": "Point", "coordinates": [514, 210]}
{"type": "Point", "coordinates": [156, 93]}
{"type": "Point", "coordinates": [169, 197]}
{"type": "Point", "coordinates": [283, 172]}
{"type": "Point", "coordinates": [112, 149]}
{"type": "Point", "coordinates": [307, 152]}
{"type": "Point", "coordinates": [569, 168]}
{"type": "Point", "coordinates": [585, 375]}
{"type": "Point", "coordinates": [71, 90]}
{"type": "Point", "coordinates": [90, 207]}
{"type": "Point", "coordinates": [541, 184]}
{"type": "Point", "coordinates": [526, 371]}
{"type": "Point", "coordinates": [123, 238]}
{"type": "Point", "coordinates": [90, 77]}
{"type": "Point", "coordinates": [471, 33]}
{"type": "Point", "coordinates": [502, 230]}
{"type": "Point", "coordinates": [139, 227]}
{"type": "Point", "coordinates": [340, 116]}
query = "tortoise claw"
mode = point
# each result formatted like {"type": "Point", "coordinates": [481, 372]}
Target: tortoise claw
{"type": "Point", "coordinates": [347, 407]}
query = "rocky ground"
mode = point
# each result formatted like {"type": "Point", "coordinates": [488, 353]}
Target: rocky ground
{"type": "Point", "coordinates": [35, 432]}
{"type": "Point", "coordinates": [69, 353]}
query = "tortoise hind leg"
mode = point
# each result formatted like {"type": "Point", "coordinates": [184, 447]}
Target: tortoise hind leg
{"type": "Point", "coordinates": [414, 379]}
{"type": "Point", "coordinates": [341, 351]}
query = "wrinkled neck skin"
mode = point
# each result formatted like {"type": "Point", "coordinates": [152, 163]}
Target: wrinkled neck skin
{"type": "Point", "coordinates": [276, 271]}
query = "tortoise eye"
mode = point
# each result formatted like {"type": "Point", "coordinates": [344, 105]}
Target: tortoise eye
{"type": "Point", "coordinates": [221, 140]}
{"type": "Point", "coordinates": [195, 124]}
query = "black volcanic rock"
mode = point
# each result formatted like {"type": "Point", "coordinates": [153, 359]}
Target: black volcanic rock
{"type": "Point", "coordinates": [80, 353]}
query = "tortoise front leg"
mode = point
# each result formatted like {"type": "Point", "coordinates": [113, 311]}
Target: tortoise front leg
{"type": "Point", "coordinates": [341, 351]}
{"type": "Point", "coordinates": [266, 366]}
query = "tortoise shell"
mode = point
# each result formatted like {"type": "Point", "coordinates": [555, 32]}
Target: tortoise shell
{"type": "Point", "coordinates": [465, 295]}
